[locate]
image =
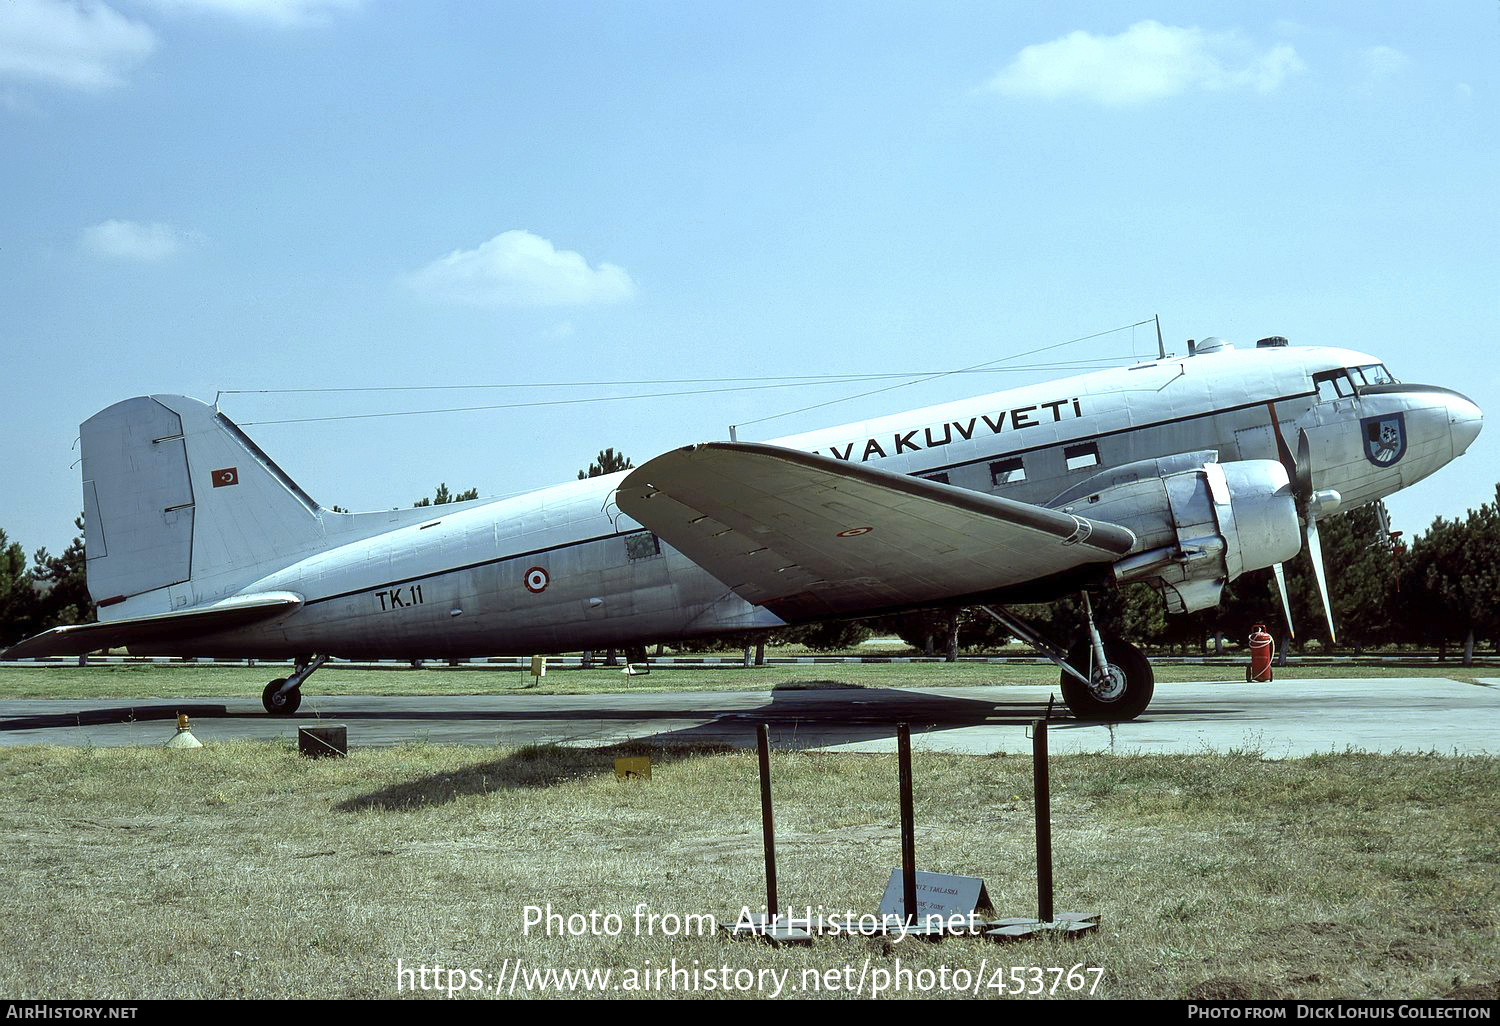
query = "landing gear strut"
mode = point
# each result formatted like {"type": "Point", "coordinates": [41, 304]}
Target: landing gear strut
{"type": "Point", "coordinates": [1103, 677]}
{"type": "Point", "coordinates": [284, 694]}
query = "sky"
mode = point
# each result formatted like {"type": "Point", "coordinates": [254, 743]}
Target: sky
{"type": "Point", "coordinates": [267, 201]}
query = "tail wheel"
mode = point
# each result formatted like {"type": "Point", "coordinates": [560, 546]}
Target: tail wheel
{"type": "Point", "coordinates": [1121, 689]}
{"type": "Point", "coordinates": [278, 702]}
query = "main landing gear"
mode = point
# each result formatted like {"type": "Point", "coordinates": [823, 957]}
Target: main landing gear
{"type": "Point", "coordinates": [1118, 687]}
{"type": "Point", "coordinates": [284, 694]}
{"type": "Point", "coordinates": [1103, 677]}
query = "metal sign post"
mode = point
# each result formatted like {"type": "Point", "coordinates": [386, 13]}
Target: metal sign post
{"type": "Point", "coordinates": [1043, 787]}
{"type": "Point", "coordinates": [908, 827]}
{"type": "Point", "coordinates": [770, 927]}
{"type": "Point", "coordinates": [767, 819]}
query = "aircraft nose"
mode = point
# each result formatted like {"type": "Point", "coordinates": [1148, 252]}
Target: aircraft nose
{"type": "Point", "coordinates": [1464, 421]}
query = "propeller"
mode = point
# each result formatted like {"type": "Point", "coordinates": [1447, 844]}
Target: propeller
{"type": "Point", "coordinates": [1286, 607]}
{"type": "Point", "coordinates": [1311, 504]}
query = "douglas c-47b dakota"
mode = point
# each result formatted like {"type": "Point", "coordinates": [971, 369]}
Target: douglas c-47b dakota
{"type": "Point", "coordinates": [1183, 472]}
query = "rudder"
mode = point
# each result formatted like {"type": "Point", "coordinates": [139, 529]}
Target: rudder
{"type": "Point", "coordinates": [181, 505]}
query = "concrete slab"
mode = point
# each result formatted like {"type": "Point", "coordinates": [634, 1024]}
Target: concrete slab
{"type": "Point", "coordinates": [1283, 719]}
{"type": "Point", "coordinates": [1279, 720]}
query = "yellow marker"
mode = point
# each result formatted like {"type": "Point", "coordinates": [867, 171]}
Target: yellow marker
{"type": "Point", "coordinates": [184, 737]}
{"type": "Point", "coordinates": [633, 766]}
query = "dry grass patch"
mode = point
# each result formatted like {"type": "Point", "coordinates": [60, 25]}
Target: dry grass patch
{"type": "Point", "coordinates": [244, 870]}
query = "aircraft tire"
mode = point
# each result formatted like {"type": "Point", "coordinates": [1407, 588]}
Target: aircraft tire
{"type": "Point", "coordinates": [280, 704]}
{"type": "Point", "coordinates": [1131, 674]}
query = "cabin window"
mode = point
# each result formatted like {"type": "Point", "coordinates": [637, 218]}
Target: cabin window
{"type": "Point", "coordinates": [1004, 472]}
{"type": "Point", "coordinates": [1081, 457]}
{"type": "Point", "coordinates": [642, 545]}
{"type": "Point", "coordinates": [940, 477]}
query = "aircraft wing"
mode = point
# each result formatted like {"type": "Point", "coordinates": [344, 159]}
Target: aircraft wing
{"type": "Point", "coordinates": [808, 536]}
{"type": "Point", "coordinates": [239, 611]}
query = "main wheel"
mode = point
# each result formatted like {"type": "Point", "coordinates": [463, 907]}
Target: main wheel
{"type": "Point", "coordinates": [1121, 689]}
{"type": "Point", "coordinates": [278, 702]}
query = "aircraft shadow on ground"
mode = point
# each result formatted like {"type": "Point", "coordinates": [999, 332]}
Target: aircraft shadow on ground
{"type": "Point", "coordinates": [854, 708]}
{"type": "Point", "coordinates": [532, 766]}
{"type": "Point", "coordinates": [794, 720]}
{"type": "Point", "coordinates": [798, 718]}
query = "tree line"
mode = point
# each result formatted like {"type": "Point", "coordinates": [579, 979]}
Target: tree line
{"type": "Point", "coordinates": [1438, 592]}
{"type": "Point", "coordinates": [48, 592]}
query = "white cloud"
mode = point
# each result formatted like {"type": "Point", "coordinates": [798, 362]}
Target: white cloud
{"type": "Point", "coordinates": [134, 242]}
{"type": "Point", "coordinates": [81, 44]}
{"type": "Point", "coordinates": [1148, 61]}
{"type": "Point", "coordinates": [277, 12]}
{"type": "Point", "coordinates": [517, 268]}
{"type": "Point", "coordinates": [88, 45]}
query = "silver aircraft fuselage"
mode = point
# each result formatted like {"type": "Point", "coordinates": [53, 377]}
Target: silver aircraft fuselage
{"type": "Point", "coordinates": [563, 569]}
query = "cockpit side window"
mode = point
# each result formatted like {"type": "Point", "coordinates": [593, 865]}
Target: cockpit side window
{"type": "Point", "coordinates": [1333, 385]}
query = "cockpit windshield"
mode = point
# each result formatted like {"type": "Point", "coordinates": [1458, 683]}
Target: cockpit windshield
{"type": "Point", "coordinates": [1372, 374]}
{"type": "Point", "coordinates": [1345, 382]}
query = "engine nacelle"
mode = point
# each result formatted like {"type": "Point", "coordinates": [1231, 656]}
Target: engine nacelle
{"type": "Point", "coordinates": [1199, 523]}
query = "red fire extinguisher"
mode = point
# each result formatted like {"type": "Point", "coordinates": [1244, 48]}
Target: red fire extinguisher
{"type": "Point", "coordinates": [1261, 651]}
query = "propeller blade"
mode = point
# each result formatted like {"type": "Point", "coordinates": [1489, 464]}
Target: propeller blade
{"type": "Point", "coordinates": [1310, 505]}
{"type": "Point", "coordinates": [1315, 553]}
{"type": "Point", "coordinates": [1286, 607]}
{"type": "Point", "coordinates": [1283, 451]}
{"type": "Point", "coordinates": [1302, 477]}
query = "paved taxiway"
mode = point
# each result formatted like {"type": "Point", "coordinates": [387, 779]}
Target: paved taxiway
{"type": "Point", "coordinates": [1282, 719]}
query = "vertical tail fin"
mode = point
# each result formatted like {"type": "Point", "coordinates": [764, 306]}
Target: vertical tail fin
{"type": "Point", "coordinates": [181, 505]}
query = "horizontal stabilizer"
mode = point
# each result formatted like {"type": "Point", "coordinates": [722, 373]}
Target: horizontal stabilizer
{"type": "Point", "coordinates": [808, 536]}
{"type": "Point", "coordinates": [163, 628]}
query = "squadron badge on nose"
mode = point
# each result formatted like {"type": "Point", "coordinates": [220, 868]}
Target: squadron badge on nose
{"type": "Point", "coordinates": [1384, 438]}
